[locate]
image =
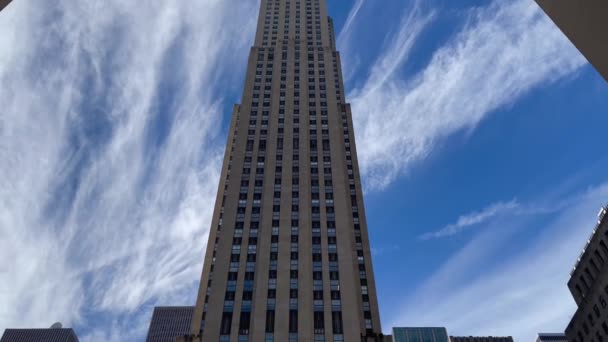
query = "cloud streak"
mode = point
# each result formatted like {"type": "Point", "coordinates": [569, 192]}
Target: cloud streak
{"type": "Point", "coordinates": [505, 50]}
{"type": "Point", "coordinates": [110, 154]}
{"type": "Point", "coordinates": [472, 219]}
{"type": "Point", "coordinates": [518, 296]}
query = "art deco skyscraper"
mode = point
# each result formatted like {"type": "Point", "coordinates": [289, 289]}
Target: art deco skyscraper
{"type": "Point", "coordinates": [288, 257]}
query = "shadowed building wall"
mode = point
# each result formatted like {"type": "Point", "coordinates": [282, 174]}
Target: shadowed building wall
{"type": "Point", "coordinates": [3, 4]}
{"type": "Point", "coordinates": [589, 286]}
{"type": "Point", "coordinates": [170, 322]}
{"type": "Point", "coordinates": [39, 335]}
{"type": "Point", "coordinates": [417, 334]}
{"type": "Point", "coordinates": [585, 23]}
{"type": "Point", "coordinates": [552, 337]}
{"type": "Point", "coordinates": [288, 257]}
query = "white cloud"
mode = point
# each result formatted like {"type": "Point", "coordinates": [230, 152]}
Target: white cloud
{"type": "Point", "coordinates": [350, 62]}
{"type": "Point", "coordinates": [471, 219]}
{"type": "Point", "coordinates": [346, 31]}
{"type": "Point", "coordinates": [110, 154]}
{"type": "Point", "coordinates": [518, 295]}
{"type": "Point", "coordinates": [505, 50]}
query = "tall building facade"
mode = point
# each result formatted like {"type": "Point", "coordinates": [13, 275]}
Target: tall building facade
{"type": "Point", "coordinates": [415, 334]}
{"type": "Point", "coordinates": [170, 322]}
{"type": "Point", "coordinates": [589, 286]}
{"type": "Point", "coordinates": [585, 23]}
{"type": "Point", "coordinates": [288, 257]}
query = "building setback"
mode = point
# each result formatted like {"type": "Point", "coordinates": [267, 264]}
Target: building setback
{"type": "Point", "coordinates": [39, 335]}
{"type": "Point", "coordinates": [481, 339]}
{"type": "Point", "coordinates": [170, 322]}
{"type": "Point", "coordinates": [552, 337]}
{"type": "Point", "coordinates": [585, 23]}
{"type": "Point", "coordinates": [288, 257]}
{"type": "Point", "coordinates": [589, 286]}
{"type": "Point", "coordinates": [417, 334]}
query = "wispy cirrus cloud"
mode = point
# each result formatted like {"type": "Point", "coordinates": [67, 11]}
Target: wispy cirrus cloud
{"type": "Point", "coordinates": [505, 50]}
{"type": "Point", "coordinates": [109, 155]}
{"type": "Point", "coordinates": [515, 296]}
{"type": "Point", "coordinates": [469, 220]}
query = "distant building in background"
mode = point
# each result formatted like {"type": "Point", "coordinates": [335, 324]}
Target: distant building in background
{"type": "Point", "coordinates": [420, 334]}
{"type": "Point", "coordinates": [585, 23]}
{"type": "Point", "coordinates": [552, 337]}
{"type": "Point", "coordinates": [3, 4]}
{"type": "Point", "coordinates": [56, 333]}
{"type": "Point", "coordinates": [481, 339]}
{"type": "Point", "coordinates": [169, 322]}
{"type": "Point", "coordinates": [589, 286]}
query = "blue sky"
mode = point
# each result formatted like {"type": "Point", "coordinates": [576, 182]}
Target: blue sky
{"type": "Point", "coordinates": [480, 131]}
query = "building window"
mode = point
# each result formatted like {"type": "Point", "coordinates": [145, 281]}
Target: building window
{"type": "Point", "coordinates": [293, 321]}
{"type": "Point", "coordinates": [270, 321]}
{"type": "Point", "coordinates": [336, 318]}
{"type": "Point", "coordinates": [226, 323]}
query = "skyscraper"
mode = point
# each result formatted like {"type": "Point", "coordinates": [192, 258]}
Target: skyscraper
{"type": "Point", "coordinates": [585, 23]}
{"type": "Point", "coordinates": [288, 257]}
{"type": "Point", "coordinates": [589, 286]}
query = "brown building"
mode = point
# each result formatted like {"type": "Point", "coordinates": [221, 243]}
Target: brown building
{"type": "Point", "coordinates": [288, 257]}
{"type": "Point", "coordinates": [585, 23]}
{"type": "Point", "coordinates": [481, 339]}
{"type": "Point", "coordinates": [589, 286]}
{"type": "Point", "coordinates": [3, 4]}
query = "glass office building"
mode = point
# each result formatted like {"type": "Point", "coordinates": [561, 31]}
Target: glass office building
{"type": "Point", "coordinates": [420, 335]}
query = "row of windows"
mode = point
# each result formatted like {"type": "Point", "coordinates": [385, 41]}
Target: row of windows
{"type": "Point", "coordinates": [357, 229]}
{"type": "Point", "coordinates": [597, 315]}
{"type": "Point", "coordinates": [596, 260]}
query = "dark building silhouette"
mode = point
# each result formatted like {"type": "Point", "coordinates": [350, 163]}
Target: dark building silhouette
{"type": "Point", "coordinates": [170, 322]}
{"type": "Point", "coordinates": [288, 257]}
{"type": "Point", "coordinates": [39, 335]}
{"type": "Point", "coordinates": [481, 339]}
{"type": "Point", "coordinates": [585, 23]}
{"type": "Point", "coordinates": [552, 337]}
{"type": "Point", "coordinates": [589, 286]}
{"type": "Point", "coordinates": [420, 334]}
{"type": "Point", "coordinates": [3, 4]}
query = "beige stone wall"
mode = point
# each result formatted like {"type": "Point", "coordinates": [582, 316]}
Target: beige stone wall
{"type": "Point", "coordinates": [340, 129]}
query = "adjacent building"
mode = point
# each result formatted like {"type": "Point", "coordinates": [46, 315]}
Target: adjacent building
{"type": "Point", "coordinates": [170, 322]}
{"type": "Point", "coordinates": [481, 339]}
{"type": "Point", "coordinates": [54, 334]}
{"type": "Point", "coordinates": [552, 337]}
{"type": "Point", "coordinates": [3, 4]}
{"type": "Point", "coordinates": [288, 257]}
{"type": "Point", "coordinates": [585, 23]}
{"type": "Point", "coordinates": [418, 334]}
{"type": "Point", "coordinates": [589, 286]}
